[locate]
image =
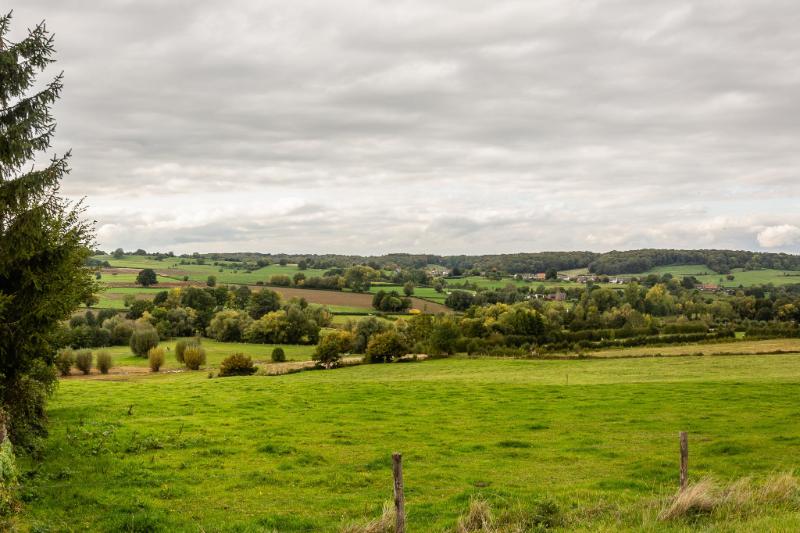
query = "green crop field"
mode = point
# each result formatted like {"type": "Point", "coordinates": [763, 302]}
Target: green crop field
{"type": "Point", "coordinates": [593, 442]}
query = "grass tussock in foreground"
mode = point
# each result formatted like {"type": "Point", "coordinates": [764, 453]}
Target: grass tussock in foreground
{"type": "Point", "coordinates": [384, 524]}
{"type": "Point", "coordinates": [741, 499]}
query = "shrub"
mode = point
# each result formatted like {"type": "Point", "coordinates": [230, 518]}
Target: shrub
{"type": "Point", "coordinates": [155, 357]}
{"type": "Point", "coordinates": [103, 361]}
{"type": "Point", "coordinates": [278, 355]}
{"type": "Point", "coordinates": [142, 340]}
{"type": "Point", "coordinates": [181, 345]}
{"type": "Point", "coordinates": [64, 361]}
{"type": "Point", "coordinates": [9, 478]}
{"type": "Point", "coordinates": [194, 357]}
{"type": "Point", "coordinates": [228, 325]}
{"type": "Point", "coordinates": [386, 346]}
{"type": "Point", "coordinates": [237, 364]}
{"type": "Point", "coordinates": [83, 360]}
{"type": "Point", "coordinates": [331, 347]}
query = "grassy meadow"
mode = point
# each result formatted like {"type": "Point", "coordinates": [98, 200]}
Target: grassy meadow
{"type": "Point", "coordinates": [592, 444]}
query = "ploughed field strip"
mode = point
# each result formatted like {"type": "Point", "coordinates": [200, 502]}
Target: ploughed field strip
{"type": "Point", "coordinates": [594, 441]}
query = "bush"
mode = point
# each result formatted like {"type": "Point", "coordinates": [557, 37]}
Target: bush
{"type": "Point", "coordinates": [9, 477]}
{"type": "Point", "coordinates": [142, 340]}
{"type": "Point", "coordinates": [278, 355]}
{"type": "Point", "coordinates": [237, 364]}
{"type": "Point", "coordinates": [64, 361]}
{"type": "Point", "coordinates": [155, 357]}
{"type": "Point", "coordinates": [386, 346]}
{"type": "Point", "coordinates": [331, 347]}
{"type": "Point", "coordinates": [181, 345]}
{"type": "Point", "coordinates": [194, 357]}
{"type": "Point", "coordinates": [103, 361]}
{"type": "Point", "coordinates": [83, 360]}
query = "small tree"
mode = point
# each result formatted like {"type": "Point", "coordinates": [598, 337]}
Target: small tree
{"type": "Point", "coordinates": [142, 340]}
{"type": "Point", "coordinates": [386, 346]}
{"type": "Point", "coordinates": [408, 288]}
{"type": "Point", "coordinates": [211, 281]}
{"type": "Point", "coordinates": [331, 347]}
{"type": "Point", "coordinates": [146, 277]}
{"type": "Point", "coordinates": [459, 300]}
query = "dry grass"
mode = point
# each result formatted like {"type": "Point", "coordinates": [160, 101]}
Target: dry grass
{"type": "Point", "coordinates": [696, 499]}
{"type": "Point", "coordinates": [478, 517]}
{"type": "Point", "coordinates": [742, 498]}
{"type": "Point", "coordinates": [384, 524]}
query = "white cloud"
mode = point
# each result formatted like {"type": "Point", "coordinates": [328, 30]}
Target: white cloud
{"type": "Point", "coordinates": [783, 236]}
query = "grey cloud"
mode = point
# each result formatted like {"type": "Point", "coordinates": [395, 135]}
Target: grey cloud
{"type": "Point", "coordinates": [440, 126]}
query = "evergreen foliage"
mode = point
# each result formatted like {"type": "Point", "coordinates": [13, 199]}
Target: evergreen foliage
{"type": "Point", "coordinates": [44, 241]}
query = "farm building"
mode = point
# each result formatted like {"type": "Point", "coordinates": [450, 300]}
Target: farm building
{"type": "Point", "coordinates": [559, 296]}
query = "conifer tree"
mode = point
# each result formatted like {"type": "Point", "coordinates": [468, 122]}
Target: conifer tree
{"type": "Point", "coordinates": [44, 241]}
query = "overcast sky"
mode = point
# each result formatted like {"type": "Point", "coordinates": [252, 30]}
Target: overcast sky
{"type": "Point", "coordinates": [461, 126]}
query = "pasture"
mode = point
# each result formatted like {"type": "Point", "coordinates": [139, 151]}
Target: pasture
{"type": "Point", "coordinates": [745, 278]}
{"type": "Point", "coordinates": [593, 442]}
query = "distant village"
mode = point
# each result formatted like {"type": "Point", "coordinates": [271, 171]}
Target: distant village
{"type": "Point", "coordinates": [443, 272]}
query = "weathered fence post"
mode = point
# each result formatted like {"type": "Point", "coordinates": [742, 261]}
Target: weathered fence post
{"type": "Point", "coordinates": [684, 459]}
{"type": "Point", "coordinates": [399, 496]}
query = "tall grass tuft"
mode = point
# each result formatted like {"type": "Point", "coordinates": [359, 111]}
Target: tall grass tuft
{"type": "Point", "coordinates": [478, 517]}
{"type": "Point", "coordinates": [384, 524]}
{"type": "Point", "coordinates": [740, 499]}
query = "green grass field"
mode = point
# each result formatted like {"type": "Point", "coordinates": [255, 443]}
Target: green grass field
{"type": "Point", "coordinates": [171, 268]}
{"type": "Point", "coordinates": [311, 451]}
{"type": "Point", "coordinates": [427, 293]}
{"type": "Point", "coordinates": [701, 272]}
{"type": "Point", "coordinates": [741, 277]}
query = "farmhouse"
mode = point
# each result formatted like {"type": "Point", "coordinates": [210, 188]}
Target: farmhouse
{"type": "Point", "coordinates": [541, 276]}
{"type": "Point", "coordinates": [438, 272]}
{"type": "Point", "coordinates": [558, 296]}
{"type": "Point", "coordinates": [709, 287]}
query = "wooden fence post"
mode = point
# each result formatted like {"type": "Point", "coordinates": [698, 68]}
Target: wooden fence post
{"type": "Point", "coordinates": [684, 459]}
{"type": "Point", "coordinates": [399, 496]}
